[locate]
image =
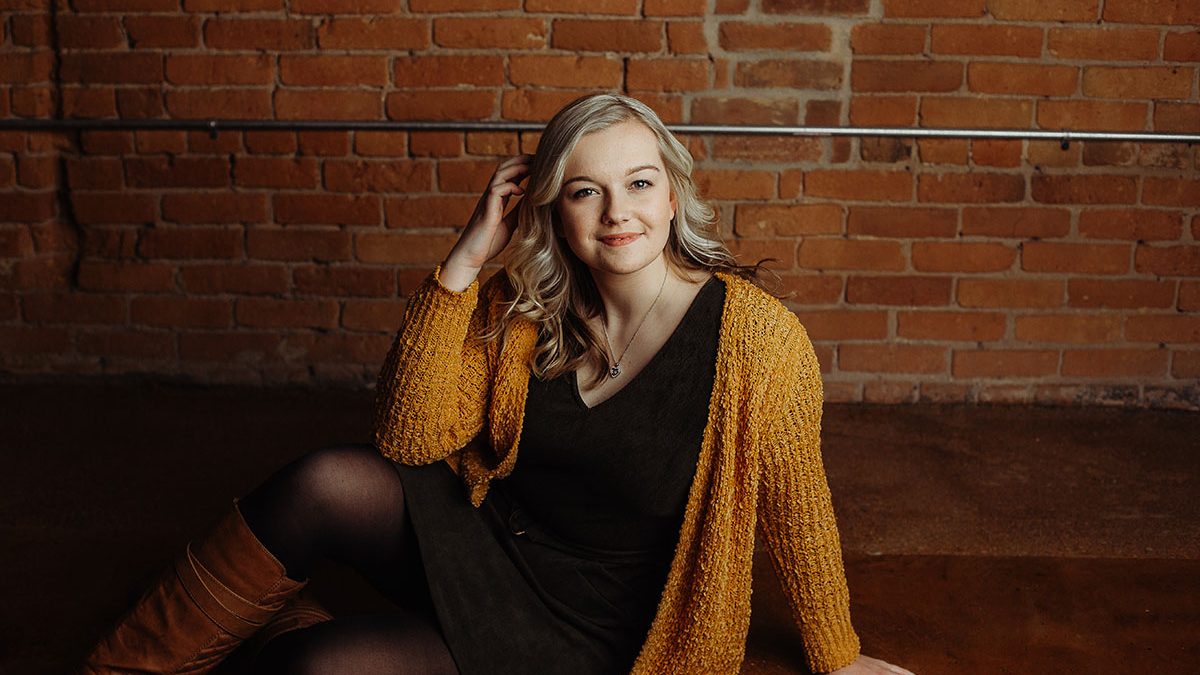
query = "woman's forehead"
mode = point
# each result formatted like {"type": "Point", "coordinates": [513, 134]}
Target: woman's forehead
{"type": "Point", "coordinates": [613, 151]}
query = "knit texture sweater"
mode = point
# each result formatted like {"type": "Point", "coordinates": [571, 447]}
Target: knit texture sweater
{"type": "Point", "coordinates": [445, 395]}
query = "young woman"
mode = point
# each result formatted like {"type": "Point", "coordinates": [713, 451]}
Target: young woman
{"type": "Point", "coordinates": [571, 462]}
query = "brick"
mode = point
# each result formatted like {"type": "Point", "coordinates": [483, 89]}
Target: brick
{"type": "Point", "coordinates": [29, 341]}
{"type": "Point", "coordinates": [274, 313]}
{"type": "Point", "coordinates": [970, 188]}
{"type": "Point", "coordinates": [886, 221]}
{"type": "Point", "coordinates": [1159, 12]}
{"type": "Point", "coordinates": [1103, 153]}
{"type": "Point", "coordinates": [1103, 44]}
{"type": "Point", "coordinates": [333, 70]}
{"type": "Point", "coordinates": [921, 9]}
{"type": "Point", "coordinates": [615, 35]}
{"type": "Point", "coordinates": [182, 172]}
{"type": "Point", "coordinates": [358, 177]}
{"type": "Point", "coordinates": [892, 358]}
{"type": "Point", "coordinates": [1007, 363]}
{"type": "Point", "coordinates": [492, 32]}
{"type": "Point", "coordinates": [15, 241]}
{"type": "Point", "coordinates": [191, 242]}
{"type": "Point", "coordinates": [373, 315]}
{"type": "Point", "coordinates": [987, 40]}
{"type": "Point", "coordinates": [687, 37]}
{"type": "Point", "coordinates": [440, 104]}
{"type": "Point", "coordinates": [220, 69]}
{"type": "Point", "coordinates": [125, 276]}
{"type": "Point", "coordinates": [111, 68]}
{"type": "Point", "coordinates": [1068, 328]}
{"type": "Point", "coordinates": [441, 6]}
{"type": "Point", "coordinates": [766, 148]}
{"type": "Point", "coordinates": [1144, 82]}
{"type": "Point", "coordinates": [887, 39]}
{"type": "Point", "coordinates": [1160, 328]}
{"type": "Point", "coordinates": [1085, 189]}
{"type": "Point", "coordinates": [851, 254]}
{"type": "Point", "coordinates": [1114, 362]}
{"type": "Point", "coordinates": [535, 104]}
{"type": "Point", "coordinates": [1182, 47]}
{"type": "Point", "coordinates": [889, 391]}
{"type": "Point", "coordinates": [239, 347]}
{"type": "Point", "coordinates": [297, 173]}
{"type": "Point", "coordinates": [887, 150]}
{"type": "Point", "coordinates": [438, 70]}
{"type": "Point", "coordinates": [968, 113]}
{"type": "Point", "coordinates": [1164, 155]}
{"type": "Point", "coordinates": [951, 326]}
{"type": "Point", "coordinates": [146, 32]}
{"type": "Point", "coordinates": [1120, 294]}
{"type": "Point", "coordinates": [735, 184]}
{"type": "Point", "coordinates": [944, 151]}
{"type": "Point", "coordinates": [1036, 10]}
{"type": "Point", "coordinates": [787, 220]}
{"type": "Point", "coordinates": [811, 289]}
{"type": "Point", "coordinates": [338, 347]}
{"type": "Point", "coordinates": [213, 208]}
{"type": "Point", "coordinates": [790, 73]}
{"type": "Point", "coordinates": [892, 186]}
{"type": "Point", "coordinates": [128, 344]}
{"type": "Point", "coordinates": [340, 281]}
{"type": "Point", "coordinates": [564, 71]}
{"type": "Point", "coordinates": [1168, 260]}
{"type": "Point", "coordinates": [1186, 365]}
{"type": "Point", "coordinates": [670, 74]}
{"type": "Point", "coordinates": [83, 308]}
{"type": "Point", "coordinates": [1010, 293]}
{"type": "Point", "coordinates": [889, 111]}
{"type": "Point", "coordinates": [192, 103]}
{"type": "Point", "coordinates": [322, 245]}
{"type": "Point", "coordinates": [266, 34]}
{"type": "Point", "coordinates": [1022, 78]}
{"type": "Point", "coordinates": [891, 76]}
{"type": "Point", "coordinates": [1042, 256]}
{"type": "Point", "coordinates": [1171, 191]}
{"type": "Point", "coordinates": [1189, 296]}
{"type": "Point", "coordinates": [742, 36]}
{"type": "Point", "coordinates": [327, 104]}
{"type": "Point", "coordinates": [782, 252]}
{"type": "Point", "coordinates": [1130, 224]}
{"type": "Point", "coordinates": [1043, 154]}
{"type": "Point", "coordinates": [998, 153]}
{"type": "Point", "coordinates": [176, 311]}
{"type": "Point", "coordinates": [909, 291]}
{"type": "Point", "coordinates": [962, 256]}
{"type": "Point", "coordinates": [395, 249]}
{"type": "Point", "coordinates": [376, 32]}
{"type": "Point", "coordinates": [845, 325]}
{"type": "Point", "coordinates": [239, 279]}
{"type": "Point", "coordinates": [1092, 115]}
{"type": "Point", "coordinates": [815, 6]}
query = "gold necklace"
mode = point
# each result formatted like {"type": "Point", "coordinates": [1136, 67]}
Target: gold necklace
{"type": "Point", "coordinates": [615, 369]}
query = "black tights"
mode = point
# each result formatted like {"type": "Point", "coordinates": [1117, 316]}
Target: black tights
{"type": "Point", "coordinates": [346, 503]}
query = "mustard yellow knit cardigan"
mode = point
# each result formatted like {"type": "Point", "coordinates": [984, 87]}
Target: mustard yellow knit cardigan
{"type": "Point", "coordinates": [759, 468]}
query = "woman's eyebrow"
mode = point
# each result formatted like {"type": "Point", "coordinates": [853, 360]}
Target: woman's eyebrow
{"type": "Point", "coordinates": [631, 171]}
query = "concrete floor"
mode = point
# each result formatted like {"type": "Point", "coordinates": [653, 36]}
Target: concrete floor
{"type": "Point", "coordinates": [976, 539]}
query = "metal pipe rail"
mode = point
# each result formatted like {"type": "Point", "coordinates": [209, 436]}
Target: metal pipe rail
{"type": "Point", "coordinates": [213, 126]}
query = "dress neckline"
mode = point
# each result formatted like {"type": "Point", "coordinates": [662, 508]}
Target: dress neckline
{"type": "Point", "coordinates": [573, 376]}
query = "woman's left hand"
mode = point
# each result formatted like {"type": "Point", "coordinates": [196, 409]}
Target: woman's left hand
{"type": "Point", "coordinates": [865, 665]}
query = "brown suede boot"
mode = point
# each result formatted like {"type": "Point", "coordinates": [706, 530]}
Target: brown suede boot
{"type": "Point", "coordinates": [219, 592]}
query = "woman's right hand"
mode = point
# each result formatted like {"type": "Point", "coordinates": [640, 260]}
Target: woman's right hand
{"type": "Point", "coordinates": [489, 230]}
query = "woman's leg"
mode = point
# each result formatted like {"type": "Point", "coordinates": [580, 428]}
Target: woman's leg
{"type": "Point", "coordinates": [381, 644]}
{"type": "Point", "coordinates": [347, 503]}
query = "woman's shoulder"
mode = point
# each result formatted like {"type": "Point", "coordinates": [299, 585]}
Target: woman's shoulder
{"type": "Point", "coordinates": [757, 315]}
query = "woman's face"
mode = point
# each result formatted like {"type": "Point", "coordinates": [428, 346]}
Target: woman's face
{"type": "Point", "coordinates": [615, 184]}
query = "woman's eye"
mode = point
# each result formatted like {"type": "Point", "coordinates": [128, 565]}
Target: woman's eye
{"type": "Point", "coordinates": [643, 180]}
{"type": "Point", "coordinates": [579, 193]}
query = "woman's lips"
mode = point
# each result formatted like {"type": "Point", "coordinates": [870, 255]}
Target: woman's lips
{"type": "Point", "coordinates": [619, 240]}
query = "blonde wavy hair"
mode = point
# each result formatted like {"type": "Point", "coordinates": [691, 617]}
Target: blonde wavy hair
{"type": "Point", "coordinates": [551, 286]}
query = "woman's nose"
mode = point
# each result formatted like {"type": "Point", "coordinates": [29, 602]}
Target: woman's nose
{"type": "Point", "coordinates": [616, 209]}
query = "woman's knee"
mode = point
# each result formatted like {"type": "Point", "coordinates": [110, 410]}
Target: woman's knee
{"type": "Point", "coordinates": [354, 477]}
{"type": "Point", "coordinates": [396, 643]}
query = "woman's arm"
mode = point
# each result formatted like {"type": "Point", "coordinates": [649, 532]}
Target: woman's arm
{"type": "Point", "coordinates": [796, 511]}
{"type": "Point", "coordinates": [432, 390]}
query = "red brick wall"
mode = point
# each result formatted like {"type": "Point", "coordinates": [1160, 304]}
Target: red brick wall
{"type": "Point", "coordinates": [942, 270]}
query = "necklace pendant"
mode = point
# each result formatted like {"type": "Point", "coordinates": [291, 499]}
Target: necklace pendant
{"type": "Point", "coordinates": [615, 370]}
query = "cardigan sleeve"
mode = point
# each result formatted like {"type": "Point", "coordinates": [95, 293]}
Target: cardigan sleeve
{"type": "Point", "coordinates": [796, 510]}
{"type": "Point", "coordinates": [432, 390]}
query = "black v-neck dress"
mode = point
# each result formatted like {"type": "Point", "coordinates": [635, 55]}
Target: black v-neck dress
{"type": "Point", "coordinates": [562, 567]}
